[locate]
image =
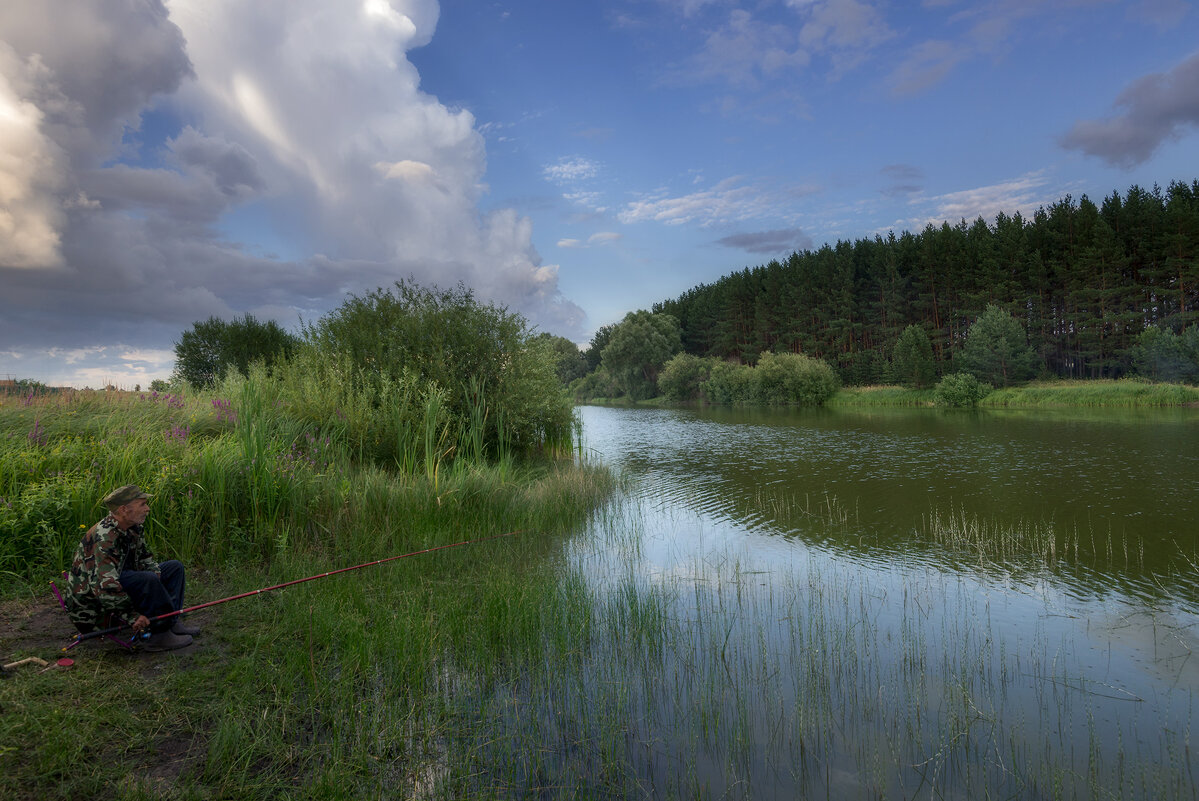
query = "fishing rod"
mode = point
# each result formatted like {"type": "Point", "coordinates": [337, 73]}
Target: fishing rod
{"type": "Point", "coordinates": [93, 634]}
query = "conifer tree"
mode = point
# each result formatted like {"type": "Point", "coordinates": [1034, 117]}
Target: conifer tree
{"type": "Point", "coordinates": [997, 349]}
{"type": "Point", "coordinates": [912, 362]}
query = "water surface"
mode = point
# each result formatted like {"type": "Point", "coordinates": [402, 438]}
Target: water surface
{"type": "Point", "coordinates": [816, 639]}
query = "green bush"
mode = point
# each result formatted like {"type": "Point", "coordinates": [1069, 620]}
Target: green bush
{"type": "Point", "coordinates": [682, 376]}
{"type": "Point", "coordinates": [403, 348]}
{"type": "Point", "coordinates": [1162, 355]}
{"type": "Point", "coordinates": [997, 348]}
{"type": "Point", "coordinates": [599, 384]}
{"type": "Point", "coordinates": [729, 384]}
{"type": "Point", "coordinates": [960, 390]}
{"type": "Point", "coordinates": [571, 363]}
{"type": "Point", "coordinates": [784, 379]}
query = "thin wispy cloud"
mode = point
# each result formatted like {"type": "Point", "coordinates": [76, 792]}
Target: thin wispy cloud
{"type": "Point", "coordinates": [1162, 14]}
{"type": "Point", "coordinates": [756, 47]}
{"type": "Point", "coordinates": [595, 240]}
{"type": "Point", "coordinates": [984, 30]}
{"type": "Point", "coordinates": [571, 170]}
{"type": "Point", "coordinates": [846, 30]}
{"type": "Point", "coordinates": [770, 243]}
{"type": "Point", "coordinates": [902, 180]}
{"type": "Point", "coordinates": [1024, 194]}
{"type": "Point", "coordinates": [729, 201]}
{"type": "Point", "coordinates": [743, 51]}
{"type": "Point", "coordinates": [926, 65]}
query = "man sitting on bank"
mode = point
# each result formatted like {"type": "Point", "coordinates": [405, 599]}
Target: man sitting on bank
{"type": "Point", "coordinates": [115, 574]}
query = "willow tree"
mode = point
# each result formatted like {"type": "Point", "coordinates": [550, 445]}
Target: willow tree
{"type": "Point", "coordinates": [639, 346]}
{"type": "Point", "coordinates": [209, 348]}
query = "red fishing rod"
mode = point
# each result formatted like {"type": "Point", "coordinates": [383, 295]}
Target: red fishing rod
{"type": "Point", "coordinates": [92, 634]}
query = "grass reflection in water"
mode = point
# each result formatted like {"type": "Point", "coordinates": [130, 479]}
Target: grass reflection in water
{"type": "Point", "coordinates": [971, 666]}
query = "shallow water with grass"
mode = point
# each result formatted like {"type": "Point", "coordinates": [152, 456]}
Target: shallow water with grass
{"type": "Point", "coordinates": [867, 604]}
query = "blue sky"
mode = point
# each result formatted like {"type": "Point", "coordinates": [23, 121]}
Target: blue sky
{"type": "Point", "coordinates": [162, 162]}
{"type": "Point", "coordinates": [664, 144]}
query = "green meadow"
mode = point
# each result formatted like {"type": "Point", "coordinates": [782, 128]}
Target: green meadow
{"type": "Point", "coordinates": [334, 688]}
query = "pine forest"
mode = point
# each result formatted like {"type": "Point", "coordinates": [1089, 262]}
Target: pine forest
{"type": "Point", "coordinates": [1085, 280]}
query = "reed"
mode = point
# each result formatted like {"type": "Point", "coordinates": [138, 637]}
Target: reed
{"type": "Point", "coordinates": [881, 396]}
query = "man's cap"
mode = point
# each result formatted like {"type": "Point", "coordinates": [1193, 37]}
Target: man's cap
{"type": "Point", "coordinates": [123, 495]}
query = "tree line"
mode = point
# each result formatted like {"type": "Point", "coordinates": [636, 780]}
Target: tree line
{"type": "Point", "coordinates": [1085, 281]}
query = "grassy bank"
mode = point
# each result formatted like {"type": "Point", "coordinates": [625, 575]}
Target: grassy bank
{"type": "Point", "coordinates": [1037, 394]}
{"type": "Point", "coordinates": [881, 396]}
{"type": "Point", "coordinates": [1122, 392]}
{"type": "Point", "coordinates": [337, 688]}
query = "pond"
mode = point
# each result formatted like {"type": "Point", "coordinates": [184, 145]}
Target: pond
{"type": "Point", "coordinates": [874, 603]}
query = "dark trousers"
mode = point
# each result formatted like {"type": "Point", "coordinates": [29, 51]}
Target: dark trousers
{"type": "Point", "coordinates": [153, 596]}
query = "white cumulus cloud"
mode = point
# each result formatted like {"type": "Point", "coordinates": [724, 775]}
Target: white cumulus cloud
{"type": "Point", "coordinates": [307, 109]}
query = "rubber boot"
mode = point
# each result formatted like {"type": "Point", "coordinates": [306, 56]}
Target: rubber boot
{"type": "Point", "coordinates": [166, 641]}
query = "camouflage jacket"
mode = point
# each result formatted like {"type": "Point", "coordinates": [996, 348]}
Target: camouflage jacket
{"type": "Point", "coordinates": [94, 588]}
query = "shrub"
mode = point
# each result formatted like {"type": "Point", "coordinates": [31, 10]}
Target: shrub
{"type": "Point", "coordinates": [595, 349]}
{"type": "Point", "coordinates": [570, 361]}
{"type": "Point", "coordinates": [403, 348]}
{"type": "Point", "coordinates": [960, 390]}
{"type": "Point", "coordinates": [682, 376]}
{"type": "Point", "coordinates": [729, 383]}
{"type": "Point", "coordinates": [598, 384]}
{"type": "Point", "coordinates": [205, 352]}
{"type": "Point", "coordinates": [782, 379]}
{"type": "Point", "coordinates": [1161, 355]}
{"type": "Point", "coordinates": [639, 345]}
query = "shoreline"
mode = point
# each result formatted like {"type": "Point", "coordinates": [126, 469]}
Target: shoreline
{"type": "Point", "coordinates": [1117, 393]}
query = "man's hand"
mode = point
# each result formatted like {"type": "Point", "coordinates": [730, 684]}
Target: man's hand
{"type": "Point", "coordinates": [141, 624]}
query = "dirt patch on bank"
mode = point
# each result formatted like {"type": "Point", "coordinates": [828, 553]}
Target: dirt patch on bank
{"type": "Point", "coordinates": [33, 627]}
{"type": "Point", "coordinates": [40, 627]}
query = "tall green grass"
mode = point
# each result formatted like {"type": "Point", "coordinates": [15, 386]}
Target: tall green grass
{"type": "Point", "coordinates": [1098, 392]}
{"type": "Point", "coordinates": [881, 396]}
{"type": "Point", "coordinates": [1121, 392]}
{"type": "Point", "coordinates": [346, 685]}
{"type": "Point", "coordinates": [808, 677]}
{"type": "Point", "coordinates": [255, 466]}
